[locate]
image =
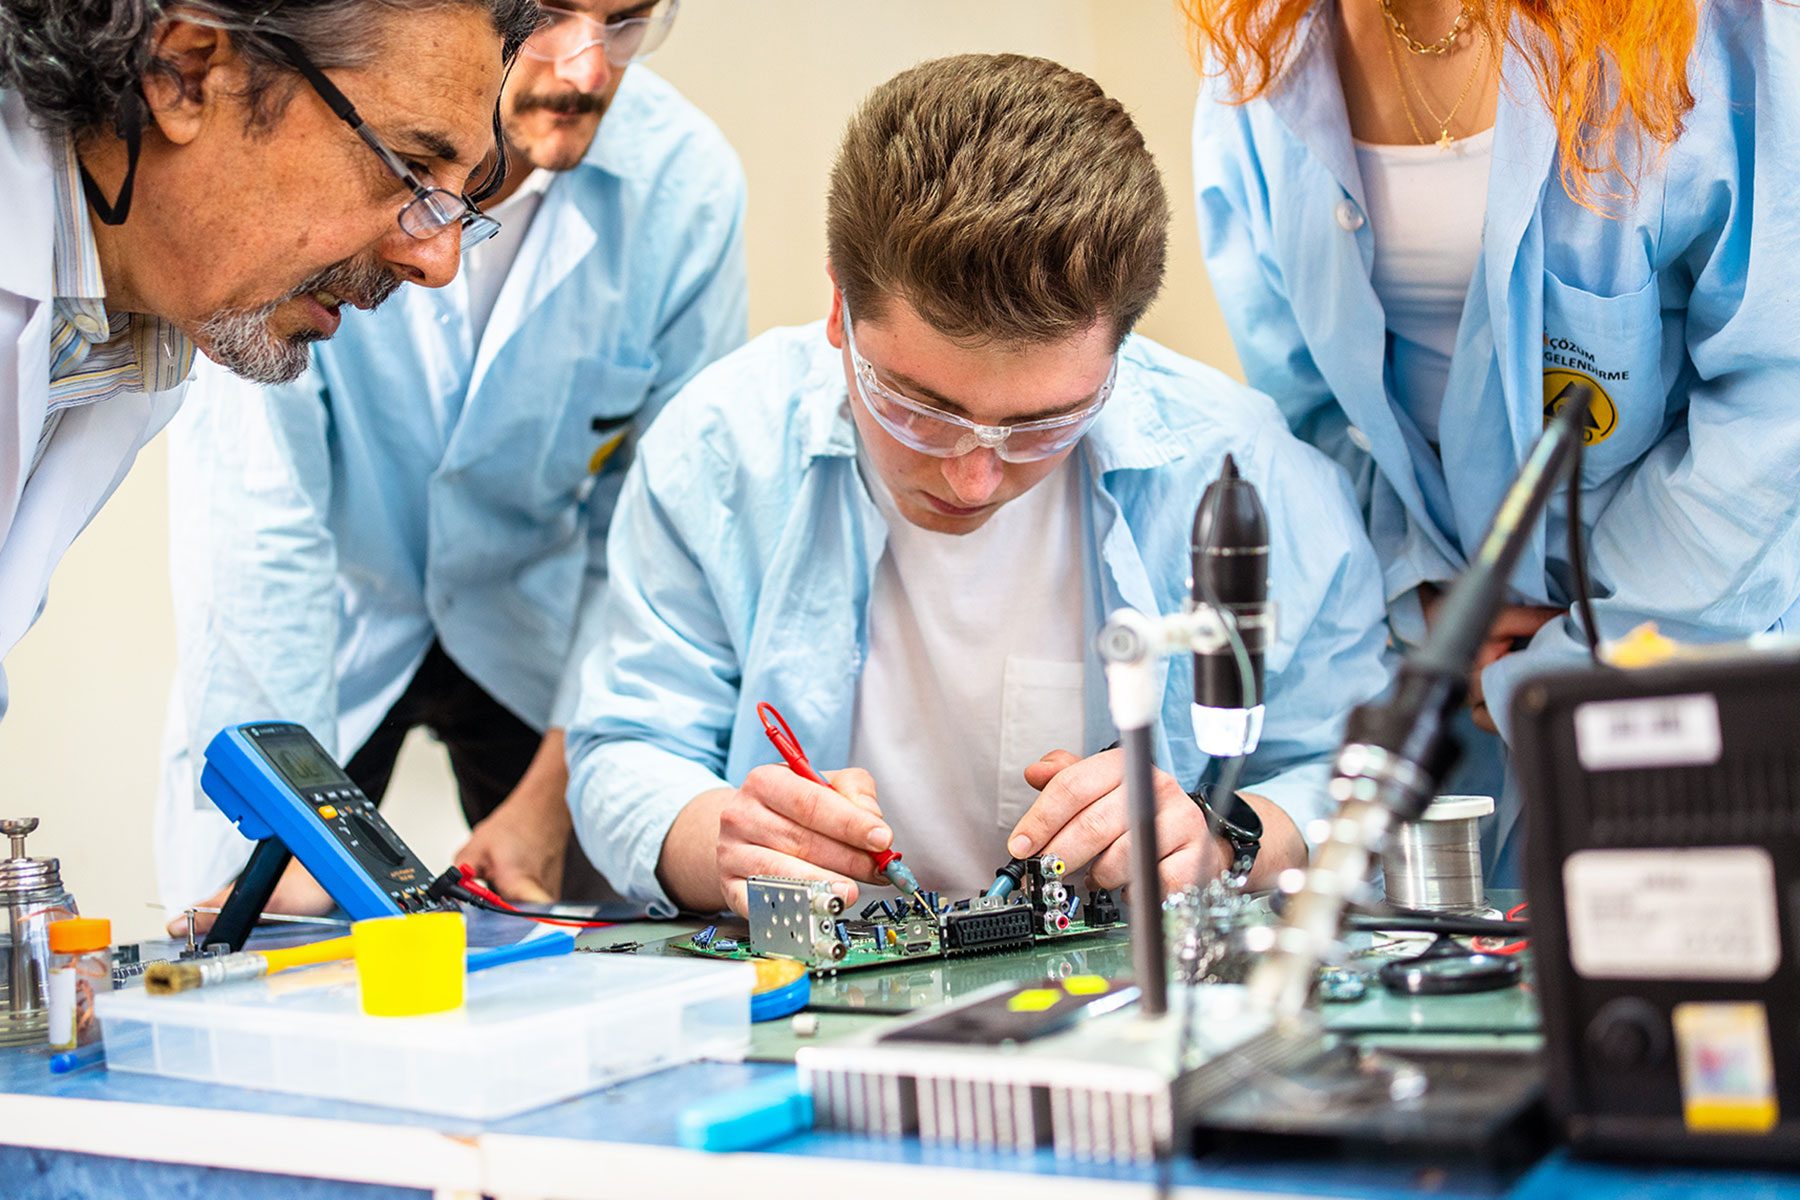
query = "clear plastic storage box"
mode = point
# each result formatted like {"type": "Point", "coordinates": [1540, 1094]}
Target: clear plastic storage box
{"type": "Point", "coordinates": [530, 1034]}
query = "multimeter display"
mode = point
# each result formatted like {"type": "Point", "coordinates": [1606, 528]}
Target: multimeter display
{"type": "Point", "coordinates": [273, 779]}
{"type": "Point", "coordinates": [301, 761]}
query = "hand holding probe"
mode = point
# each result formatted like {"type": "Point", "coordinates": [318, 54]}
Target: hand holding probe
{"type": "Point", "coordinates": [887, 862]}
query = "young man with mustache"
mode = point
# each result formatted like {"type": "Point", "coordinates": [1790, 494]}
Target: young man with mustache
{"type": "Point", "coordinates": [413, 534]}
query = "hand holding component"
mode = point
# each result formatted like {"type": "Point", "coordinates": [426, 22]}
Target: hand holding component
{"type": "Point", "coordinates": [1080, 814]}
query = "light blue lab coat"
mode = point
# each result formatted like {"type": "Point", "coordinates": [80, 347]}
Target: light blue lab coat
{"type": "Point", "coordinates": [746, 543]}
{"type": "Point", "coordinates": [1684, 308]}
{"type": "Point", "coordinates": [418, 483]}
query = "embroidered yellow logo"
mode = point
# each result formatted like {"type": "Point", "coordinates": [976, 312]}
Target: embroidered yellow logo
{"type": "Point", "coordinates": [1603, 414]}
{"type": "Point", "coordinates": [605, 451]}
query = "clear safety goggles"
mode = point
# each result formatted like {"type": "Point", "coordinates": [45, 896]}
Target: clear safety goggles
{"type": "Point", "coordinates": [940, 434]}
{"type": "Point", "coordinates": [566, 33]}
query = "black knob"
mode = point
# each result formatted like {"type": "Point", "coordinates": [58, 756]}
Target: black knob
{"type": "Point", "coordinates": [378, 839]}
{"type": "Point", "coordinates": [1628, 1033]}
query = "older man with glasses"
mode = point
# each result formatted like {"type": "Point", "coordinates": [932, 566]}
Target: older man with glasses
{"type": "Point", "coordinates": [412, 534]}
{"type": "Point", "coordinates": [903, 526]}
{"type": "Point", "coordinates": [170, 189]}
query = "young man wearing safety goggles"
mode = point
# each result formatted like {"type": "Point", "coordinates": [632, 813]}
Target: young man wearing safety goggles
{"type": "Point", "coordinates": [903, 526]}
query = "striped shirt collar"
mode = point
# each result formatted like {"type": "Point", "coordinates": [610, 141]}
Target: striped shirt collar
{"type": "Point", "coordinates": [95, 355]}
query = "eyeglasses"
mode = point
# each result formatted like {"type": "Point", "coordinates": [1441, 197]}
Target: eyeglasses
{"type": "Point", "coordinates": [431, 209]}
{"type": "Point", "coordinates": [945, 435]}
{"type": "Point", "coordinates": [566, 33]}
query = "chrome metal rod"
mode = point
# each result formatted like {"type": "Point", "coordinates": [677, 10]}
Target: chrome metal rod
{"type": "Point", "coordinates": [1148, 954]}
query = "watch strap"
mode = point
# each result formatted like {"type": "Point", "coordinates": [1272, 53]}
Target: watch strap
{"type": "Point", "coordinates": [1239, 825]}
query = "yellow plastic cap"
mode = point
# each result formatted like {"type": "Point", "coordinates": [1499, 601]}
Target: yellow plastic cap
{"type": "Point", "coordinates": [410, 965]}
{"type": "Point", "coordinates": [78, 935]}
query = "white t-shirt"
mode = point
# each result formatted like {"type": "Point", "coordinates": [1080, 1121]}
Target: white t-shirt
{"type": "Point", "coordinates": [974, 671]}
{"type": "Point", "coordinates": [1426, 208]}
{"type": "Point", "coordinates": [486, 266]}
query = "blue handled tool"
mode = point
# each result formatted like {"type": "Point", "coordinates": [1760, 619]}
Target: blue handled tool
{"type": "Point", "coordinates": [548, 946]}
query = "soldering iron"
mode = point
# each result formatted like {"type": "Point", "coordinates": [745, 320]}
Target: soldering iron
{"type": "Point", "coordinates": [1397, 749]}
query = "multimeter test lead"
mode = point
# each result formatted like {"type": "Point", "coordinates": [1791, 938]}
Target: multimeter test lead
{"type": "Point", "coordinates": [887, 862]}
{"type": "Point", "coordinates": [1006, 879]}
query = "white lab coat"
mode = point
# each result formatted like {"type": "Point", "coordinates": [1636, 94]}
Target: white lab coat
{"type": "Point", "coordinates": [43, 510]}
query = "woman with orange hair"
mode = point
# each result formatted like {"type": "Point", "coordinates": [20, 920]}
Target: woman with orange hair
{"type": "Point", "coordinates": [1425, 219]}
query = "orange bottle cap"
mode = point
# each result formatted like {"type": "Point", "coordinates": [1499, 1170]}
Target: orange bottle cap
{"type": "Point", "coordinates": [78, 935]}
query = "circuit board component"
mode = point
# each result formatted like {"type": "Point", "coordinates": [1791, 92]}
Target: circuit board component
{"type": "Point", "coordinates": [1049, 896]}
{"type": "Point", "coordinates": [1102, 909]}
{"type": "Point", "coordinates": [918, 935]}
{"type": "Point", "coordinates": [805, 919]}
{"type": "Point", "coordinates": [989, 923]}
{"type": "Point", "coordinates": [795, 918]}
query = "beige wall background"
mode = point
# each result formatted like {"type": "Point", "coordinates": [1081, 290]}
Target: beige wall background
{"type": "Point", "coordinates": [79, 748]}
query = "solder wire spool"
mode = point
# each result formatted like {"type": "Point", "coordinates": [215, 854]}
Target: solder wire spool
{"type": "Point", "coordinates": [1434, 864]}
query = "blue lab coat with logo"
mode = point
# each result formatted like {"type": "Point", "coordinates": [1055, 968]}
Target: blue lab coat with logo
{"type": "Point", "coordinates": [1682, 307]}
{"type": "Point", "coordinates": [744, 552]}
{"type": "Point", "coordinates": [421, 483]}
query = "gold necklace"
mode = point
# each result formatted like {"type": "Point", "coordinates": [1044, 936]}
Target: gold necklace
{"type": "Point", "coordinates": [1444, 139]}
{"type": "Point", "coordinates": [1442, 46]}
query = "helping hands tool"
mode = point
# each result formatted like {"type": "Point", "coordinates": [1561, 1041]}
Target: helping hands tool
{"type": "Point", "coordinates": [887, 862]}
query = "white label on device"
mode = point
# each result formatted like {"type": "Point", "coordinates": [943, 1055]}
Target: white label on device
{"type": "Point", "coordinates": [1706, 913]}
{"type": "Point", "coordinates": [1668, 731]}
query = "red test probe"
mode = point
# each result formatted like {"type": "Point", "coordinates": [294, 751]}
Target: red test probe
{"type": "Point", "coordinates": [887, 862]}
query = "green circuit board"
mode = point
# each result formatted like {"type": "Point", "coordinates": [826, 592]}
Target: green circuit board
{"type": "Point", "coordinates": [864, 954]}
{"type": "Point", "coordinates": [806, 920]}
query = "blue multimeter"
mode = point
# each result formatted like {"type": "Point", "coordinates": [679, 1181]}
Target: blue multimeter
{"type": "Point", "coordinates": [275, 782]}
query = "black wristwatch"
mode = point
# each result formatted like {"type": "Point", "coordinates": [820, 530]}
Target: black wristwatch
{"type": "Point", "coordinates": [1239, 825]}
